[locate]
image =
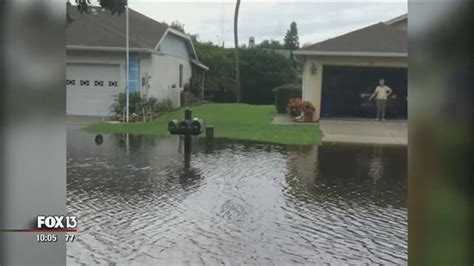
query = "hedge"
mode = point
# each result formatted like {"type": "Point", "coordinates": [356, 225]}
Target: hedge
{"type": "Point", "coordinates": [284, 93]}
{"type": "Point", "coordinates": [260, 71]}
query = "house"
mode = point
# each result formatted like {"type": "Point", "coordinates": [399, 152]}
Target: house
{"type": "Point", "coordinates": [340, 73]}
{"type": "Point", "coordinates": [161, 60]}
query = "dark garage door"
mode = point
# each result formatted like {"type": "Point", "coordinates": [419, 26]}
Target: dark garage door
{"type": "Point", "coordinates": [346, 91]}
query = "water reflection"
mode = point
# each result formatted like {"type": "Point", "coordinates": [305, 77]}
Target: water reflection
{"type": "Point", "coordinates": [140, 201]}
{"type": "Point", "coordinates": [376, 165]}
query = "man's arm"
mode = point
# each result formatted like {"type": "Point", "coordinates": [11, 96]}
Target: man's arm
{"type": "Point", "coordinates": [373, 94]}
{"type": "Point", "coordinates": [389, 91]}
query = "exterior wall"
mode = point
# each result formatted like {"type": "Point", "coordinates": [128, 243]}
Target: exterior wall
{"type": "Point", "coordinates": [145, 74]}
{"type": "Point", "coordinates": [93, 57]}
{"type": "Point", "coordinates": [164, 69]}
{"type": "Point", "coordinates": [159, 71]}
{"type": "Point", "coordinates": [401, 25]}
{"type": "Point", "coordinates": [164, 82]}
{"type": "Point", "coordinates": [101, 57]}
{"type": "Point", "coordinates": [174, 45]}
{"type": "Point", "coordinates": [312, 84]}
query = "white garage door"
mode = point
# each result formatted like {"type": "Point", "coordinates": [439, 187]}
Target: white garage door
{"type": "Point", "coordinates": [91, 88]}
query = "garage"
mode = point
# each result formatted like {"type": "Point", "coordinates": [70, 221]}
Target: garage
{"type": "Point", "coordinates": [91, 88]}
{"type": "Point", "coordinates": [341, 73]}
{"type": "Point", "coordinates": [346, 90]}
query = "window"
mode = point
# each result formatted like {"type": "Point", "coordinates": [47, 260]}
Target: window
{"type": "Point", "coordinates": [180, 76]}
{"type": "Point", "coordinates": [134, 74]}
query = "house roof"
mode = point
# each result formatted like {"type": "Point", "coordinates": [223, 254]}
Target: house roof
{"type": "Point", "coordinates": [397, 19]}
{"type": "Point", "coordinates": [378, 39]}
{"type": "Point", "coordinates": [99, 28]}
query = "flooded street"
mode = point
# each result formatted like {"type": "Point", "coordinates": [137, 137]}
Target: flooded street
{"type": "Point", "coordinates": [237, 203]}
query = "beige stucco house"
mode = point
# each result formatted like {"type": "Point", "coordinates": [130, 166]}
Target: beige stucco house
{"type": "Point", "coordinates": [340, 72]}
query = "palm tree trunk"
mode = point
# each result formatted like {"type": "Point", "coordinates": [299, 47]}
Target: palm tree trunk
{"type": "Point", "coordinates": [238, 91]}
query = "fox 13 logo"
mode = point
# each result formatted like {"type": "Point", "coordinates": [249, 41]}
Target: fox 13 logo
{"type": "Point", "coordinates": [56, 222]}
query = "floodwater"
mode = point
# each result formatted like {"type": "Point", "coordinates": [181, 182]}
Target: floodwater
{"type": "Point", "coordinates": [235, 202]}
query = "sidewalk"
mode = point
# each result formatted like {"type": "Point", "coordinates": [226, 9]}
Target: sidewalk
{"type": "Point", "coordinates": [357, 130]}
{"type": "Point", "coordinates": [393, 132]}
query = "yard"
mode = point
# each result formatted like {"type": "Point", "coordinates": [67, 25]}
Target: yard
{"type": "Point", "coordinates": [231, 121]}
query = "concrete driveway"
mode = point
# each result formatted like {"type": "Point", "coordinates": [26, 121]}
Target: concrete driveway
{"type": "Point", "coordinates": [394, 132]}
{"type": "Point", "coordinates": [76, 120]}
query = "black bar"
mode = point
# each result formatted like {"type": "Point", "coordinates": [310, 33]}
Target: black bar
{"type": "Point", "coordinates": [188, 114]}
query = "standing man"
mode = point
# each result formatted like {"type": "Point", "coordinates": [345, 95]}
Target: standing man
{"type": "Point", "coordinates": [381, 94]}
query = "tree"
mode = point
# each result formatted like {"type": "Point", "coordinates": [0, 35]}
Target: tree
{"type": "Point", "coordinates": [238, 91]}
{"type": "Point", "coordinates": [115, 6]}
{"type": "Point", "coordinates": [270, 44]}
{"type": "Point", "coordinates": [220, 80]}
{"type": "Point", "coordinates": [291, 38]}
{"type": "Point", "coordinates": [261, 71]}
{"type": "Point", "coordinates": [178, 26]}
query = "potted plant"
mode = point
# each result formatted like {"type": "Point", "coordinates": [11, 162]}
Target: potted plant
{"type": "Point", "coordinates": [308, 110]}
{"type": "Point", "coordinates": [294, 107]}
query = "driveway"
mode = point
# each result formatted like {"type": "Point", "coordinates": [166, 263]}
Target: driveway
{"type": "Point", "coordinates": [392, 132]}
{"type": "Point", "coordinates": [76, 120]}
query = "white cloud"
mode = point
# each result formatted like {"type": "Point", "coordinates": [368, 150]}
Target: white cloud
{"type": "Point", "coordinates": [269, 19]}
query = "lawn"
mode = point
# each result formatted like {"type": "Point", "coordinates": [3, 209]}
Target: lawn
{"type": "Point", "coordinates": [231, 121]}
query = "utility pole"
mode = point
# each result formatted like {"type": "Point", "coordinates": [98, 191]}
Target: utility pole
{"type": "Point", "coordinates": [127, 71]}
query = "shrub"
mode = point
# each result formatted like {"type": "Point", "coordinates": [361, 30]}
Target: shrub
{"type": "Point", "coordinates": [189, 99]}
{"type": "Point", "coordinates": [261, 71]}
{"type": "Point", "coordinates": [193, 86]}
{"type": "Point", "coordinates": [219, 79]}
{"type": "Point", "coordinates": [140, 109]}
{"type": "Point", "coordinates": [283, 94]}
{"type": "Point", "coordinates": [223, 96]}
{"type": "Point", "coordinates": [295, 106]}
{"type": "Point", "coordinates": [134, 101]}
{"type": "Point", "coordinates": [308, 107]}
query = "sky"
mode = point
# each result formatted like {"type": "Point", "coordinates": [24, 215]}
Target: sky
{"type": "Point", "coordinates": [270, 19]}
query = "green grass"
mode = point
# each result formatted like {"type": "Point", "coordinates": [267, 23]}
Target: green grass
{"type": "Point", "coordinates": [231, 121]}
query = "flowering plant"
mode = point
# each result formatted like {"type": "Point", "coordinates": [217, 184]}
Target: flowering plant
{"type": "Point", "coordinates": [308, 108]}
{"type": "Point", "coordinates": [294, 107]}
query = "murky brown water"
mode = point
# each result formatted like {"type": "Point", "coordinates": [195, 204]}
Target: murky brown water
{"type": "Point", "coordinates": [237, 203]}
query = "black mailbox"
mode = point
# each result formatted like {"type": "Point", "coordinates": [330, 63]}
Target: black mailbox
{"type": "Point", "coordinates": [185, 127]}
{"type": "Point", "coordinates": [173, 127]}
{"type": "Point", "coordinates": [197, 126]}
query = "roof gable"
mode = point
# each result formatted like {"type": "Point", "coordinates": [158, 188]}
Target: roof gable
{"type": "Point", "coordinates": [398, 19]}
{"type": "Point", "coordinates": [100, 28]}
{"type": "Point", "coordinates": [379, 38]}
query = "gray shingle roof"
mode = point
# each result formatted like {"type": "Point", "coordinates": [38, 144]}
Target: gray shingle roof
{"type": "Point", "coordinates": [377, 38]}
{"type": "Point", "coordinates": [101, 28]}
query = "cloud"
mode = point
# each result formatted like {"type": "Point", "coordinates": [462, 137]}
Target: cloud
{"type": "Point", "coordinates": [269, 19]}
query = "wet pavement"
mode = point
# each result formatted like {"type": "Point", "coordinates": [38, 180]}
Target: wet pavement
{"type": "Point", "coordinates": [356, 130]}
{"type": "Point", "coordinates": [235, 202]}
{"type": "Point", "coordinates": [390, 132]}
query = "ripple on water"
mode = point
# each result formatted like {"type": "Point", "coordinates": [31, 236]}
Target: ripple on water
{"type": "Point", "coordinates": [238, 203]}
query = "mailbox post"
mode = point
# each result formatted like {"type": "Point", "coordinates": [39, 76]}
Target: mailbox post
{"type": "Point", "coordinates": [188, 127]}
{"type": "Point", "coordinates": [188, 115]}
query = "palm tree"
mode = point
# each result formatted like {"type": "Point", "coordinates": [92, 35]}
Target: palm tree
{"type": "Point", "coordinates": [238, 91]}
